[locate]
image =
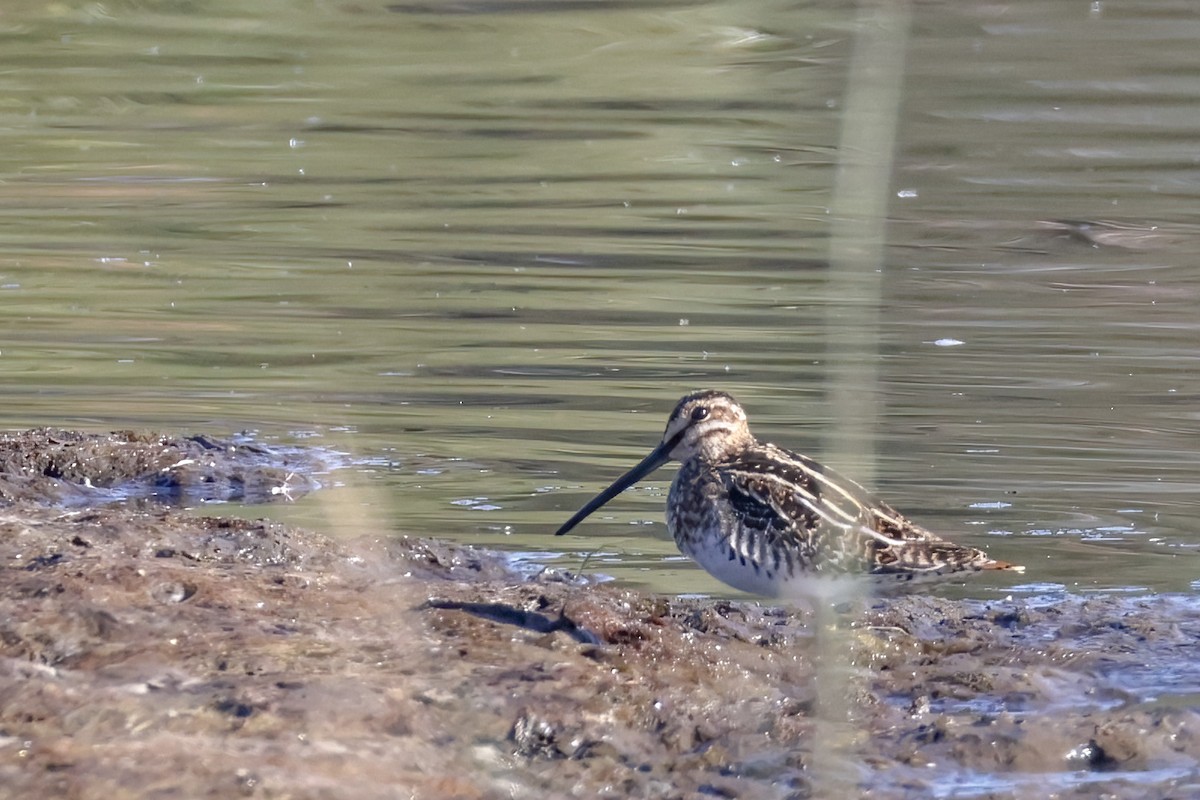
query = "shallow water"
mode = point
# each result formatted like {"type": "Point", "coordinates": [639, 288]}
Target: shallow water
{"type": "Point", "coordinates": [483, 247]}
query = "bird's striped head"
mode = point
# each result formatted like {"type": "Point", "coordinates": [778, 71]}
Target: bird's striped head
{"type": "Point", "coordinates": [709, 425]}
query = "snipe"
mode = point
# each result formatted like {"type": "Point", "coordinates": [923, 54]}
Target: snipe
{"type": "Point", "coordinates": [776, 523]}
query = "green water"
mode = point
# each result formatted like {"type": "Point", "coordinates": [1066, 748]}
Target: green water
{"type": "Point", "coordinates": [483, 247]}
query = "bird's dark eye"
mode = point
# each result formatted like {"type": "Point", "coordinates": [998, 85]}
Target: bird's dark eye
{"type": "Point", "coordinates": [699, 413]}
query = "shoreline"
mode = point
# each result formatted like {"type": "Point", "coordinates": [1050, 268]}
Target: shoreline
{"type": "Point", "coordinates": [145, 650]}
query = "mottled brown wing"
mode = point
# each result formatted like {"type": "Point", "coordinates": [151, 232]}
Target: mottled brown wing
{"type": "Point", "coordinates": [808, 513]}
{"type": "Point", "coordinates": [765, 538]}
{"type": "Point", "coordinates": [788, 503]}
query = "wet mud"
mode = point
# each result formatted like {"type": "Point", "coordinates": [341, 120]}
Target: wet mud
{"type": "Point", "coordinates": [51, 466]}
{"type": "Point", "coordinates": [146, 651]}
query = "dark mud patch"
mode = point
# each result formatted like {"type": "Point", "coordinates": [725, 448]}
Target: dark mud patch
{"type": "Point", "coordinates": [61, 467]}
{"type": "Point", "coordinates": [147, 652]}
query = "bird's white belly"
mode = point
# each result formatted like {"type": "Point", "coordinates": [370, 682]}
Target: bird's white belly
{"type": "Point", "coordinates": [711, 551]}
{"type": "Point", "coordinates": [716, 562]}
{"type": "Point", "coordinates": [803, 586]}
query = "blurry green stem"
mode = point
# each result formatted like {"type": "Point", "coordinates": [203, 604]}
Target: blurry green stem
{"type": "Point", "coordinates": [859, 228]}
{"type": "Point", "coordinates": [856, 253]}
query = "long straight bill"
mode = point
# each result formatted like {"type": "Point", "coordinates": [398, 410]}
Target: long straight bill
{"type": "Point", "coordinates": [659, 456]}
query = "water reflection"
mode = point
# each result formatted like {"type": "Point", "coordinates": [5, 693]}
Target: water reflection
{"type": "Point", "coordinates": [487, 249]}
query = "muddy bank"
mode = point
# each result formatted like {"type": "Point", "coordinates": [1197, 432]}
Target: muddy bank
{"type": "Point", "coordinates": [52, 466]}
{"type": "Point", "coordinates": [147, 652]}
